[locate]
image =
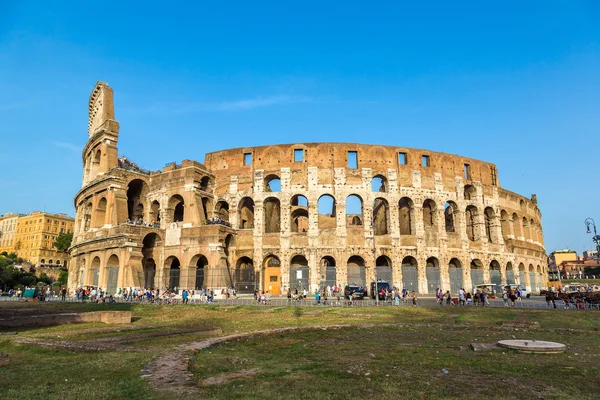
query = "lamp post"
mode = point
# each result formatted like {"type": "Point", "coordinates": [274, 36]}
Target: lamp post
{"type": "Point", "coordinates": [374, 250]}
{"type": "Point", "coordinates": [589, 222]}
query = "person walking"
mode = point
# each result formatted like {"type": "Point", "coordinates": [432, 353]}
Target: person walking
{"type": "Point", "coordinates": [414, 299]}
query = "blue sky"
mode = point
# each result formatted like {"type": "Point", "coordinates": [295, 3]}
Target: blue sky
{"type": "Point", "coordinates": [513, 83]}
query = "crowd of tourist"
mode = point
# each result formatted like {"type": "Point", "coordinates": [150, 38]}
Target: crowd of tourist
{"type": "Point", "coordinates": [141, 222]}
{"type": "Point", "coordinates": [217, 221]}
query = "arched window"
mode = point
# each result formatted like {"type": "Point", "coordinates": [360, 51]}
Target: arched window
{"type": "Point", "coordinates": [299, 214]}
{"type": "Point", "coordinates": [490, 216]}
{"type": "Point", "coordinates": [381, 213]}
{"type": "Point", "coordinates": [471, 219]}
{"type": "Point", "coordinates": [272, 183]}
{"type": "Point", "coordinates": [406, 216]}
{"type": "Point", "coordinates": [504, 224]}
{"type": "Point", "coordinates": [429, 220]}
{"type": "Point", "coordinates": [354, 210]}
{"type": "Point", "coordinates": [222, 210]}
{"type": "Point", "coordinates": [101, 213]}
{"type": "Point", "coordinates": [379, 184]}
{"type": "Point", "coordinates": [470, 192]}
{"type": "Point", "coordinates": [327, 212]}
{"type": "Point", "coordinates": [450, 210]}
{"type": "Point", "coordinates": [517, 226]}
{"type": "Point", "coordinates": [155, 212]}
{"type": "Point", "coordinates": [272, 210]}
{"type": "Point", "coordinates": [246, 213]}
{"type": "Point", "coordinates": [177, 204]}
{"type": "Point", "coordinates": [136, 191]}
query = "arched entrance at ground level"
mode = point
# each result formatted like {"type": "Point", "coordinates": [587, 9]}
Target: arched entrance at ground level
{"type": "Point", "coordinates": [272, 275]}
{"type": "Point", "coordinates": [510, 274]}
{"type": "Point", "coordinates": [149, 273]}
{"type": "Point", "coordinates": [299, 273]}
{"type": "Point", "coordinates": [383, 269]}
{"type": "Point", "coordinates": [174, 272]}
{"type": "Point", "coordinates": [522, 274]}
{"type": "Point", "coordinates": [409, 274]}
{"type": "Point", "coordinates": [432, 272]}
{"type": "Point", "coordinates": [328, 272]}
{"type": "Point", "coordinates": [244, 275]}
{"type": "Point", "coordinates": [455, 272]}
{"type": "Point", "coordinates": [95, 271]}
{"type": "Point", "coordinates": [200, 262]}
{"type": "Point", "coordinates": [112, 266]}
{"type": "Point", "coordinates": [538, 278]}
{"type": "Point", "coordinates": [476, 273]}
{"type": "Point", "coordinates": [532, 282]}
{"type": "Point", "coordinates": [356, 271]}
{"type": "Point", "coordinates": [150, 243]}
{"type": "Point", "coordinates": [495, 276]}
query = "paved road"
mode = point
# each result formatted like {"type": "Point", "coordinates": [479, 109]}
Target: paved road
{"type": "Point", "coordinates": [535, 302]}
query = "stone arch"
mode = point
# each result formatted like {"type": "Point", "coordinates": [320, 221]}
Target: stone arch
{"type": "Point", "coordinates": [471, 216]}
{"type": "Point", "coordinates": [326, 208]}
{"type": "Point", "coordinates": [155, 211]}
{"type": "Point", "coordinates": [379, 184]}
{"type": "Point", "coordinates": [532, 279]}
{"type": "Point", "coordinates": [495, 277]}
{"type": "Point", "coordinates": [533, 230]}
{"type": "Point", "coordinates": [409, 273]}
{"type": "Point", "coordinates": [94, 271]}
{"type": "Point", "coordinates": [222, 210]}
{"type": "Point", "coordinates": [407, 216]}
{"type": "Point", "coordinates": [450, 216]}
{"type": "Point", "coordinates": [200, 262]}
{"type": "Point", "coordinates": [272, 274]}
{"type": "Point", "coordinates": [299, 273]}
{"type": "Point", "coordinates": [272, 215]}
{"type": "Point", "coordinates": [174, 266]}
{"type": "Point", "coordinates": [101, 213]}
{"type": "Point", "coordinates": [137, 189]}
{"type": "Point", "coordinates": [432, 273]}
{"type": "Point", "coordinates": [381, 216]}
{"type": "Point", "coordinates": [490, 218]}
{"type": "Point", "coordinates": [510, 273]}
{"type": "Point", "coordinates": [299, 214]}
{"type": "Point", "coordinates": [246, 213]}
{"type": "Point", "coordinates": [87, 217]}
{"type": "Point", "coordinates": [177, 205]}
{"type": "Point", "coordinates": [477, 272]}
{"type": "Point", "coordinates": [272, 183]}
{"type": "Point", "coordinates": [526, 229]}
{"type": "Point", "coordinates": [354, 210]}
{"type": "Point", "coordinates": [470, 192]}
{"type": "Point", "coordinates": [328, 270]}
{"type": "Point", "coordinates": [244, 275]}
{"type": "Point", "coordinates": [455, 272]}
{"type": "Point", "coordinates": [205, 183]}
{"type": "Point", "coordinates": [517, 226]}
{"type": "Point", "coordinates": [150, 253]}
{"type": "Point", "coordinates": [357, 271]}
{"type": "Point", "coordinates": [112, 266]}
{"type": "Point", "coordinates": [383, 269]}
{"type": "Point", "coordinates": [429, 219]}
{"type": "Point", "coordinates": [505, 224]}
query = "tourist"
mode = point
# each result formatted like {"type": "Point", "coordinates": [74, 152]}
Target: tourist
{"type": "Point", "coordinates": [482, 297]}
{"type": "Point", "coordinates": [505, 297]}
{"type": "Point", "coordinates": [461, 297]}
{"type": "Point", "coordinates": [414, 299]}
{"type": "Point", "coordinates": [448, 298]}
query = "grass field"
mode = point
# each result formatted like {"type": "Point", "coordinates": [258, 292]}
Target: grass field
{"type": "Point", "coordinates": [350, 362]}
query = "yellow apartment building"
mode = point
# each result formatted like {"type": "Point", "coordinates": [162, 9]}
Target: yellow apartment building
{"type": "Point", "coordinates": [35, 235]}
{"type": "Point", "coordinates": [8, 226]}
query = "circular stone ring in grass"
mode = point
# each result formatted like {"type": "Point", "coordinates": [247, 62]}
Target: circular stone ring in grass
{"type": "Point", "coordinates": [533, 346]}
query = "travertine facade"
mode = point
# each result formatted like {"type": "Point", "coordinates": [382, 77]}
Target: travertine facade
{"type": "Point", "coordinates": [298, 215]}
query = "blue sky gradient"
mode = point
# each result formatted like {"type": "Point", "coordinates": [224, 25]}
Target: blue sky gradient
{"type": "Point", "coordinates": [513, 83]}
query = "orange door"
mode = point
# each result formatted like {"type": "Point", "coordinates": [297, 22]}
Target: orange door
{"type": "Point", "coordinates": [272, 282]}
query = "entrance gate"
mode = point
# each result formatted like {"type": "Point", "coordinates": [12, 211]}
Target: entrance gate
{"type": "Point", "coordinates": [113, 274]}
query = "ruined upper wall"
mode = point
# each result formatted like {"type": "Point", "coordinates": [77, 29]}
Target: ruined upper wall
{"type": "Point", "coordinates": [328, 156]}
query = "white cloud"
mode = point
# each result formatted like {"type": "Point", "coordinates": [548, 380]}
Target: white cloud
{"type": "Point", "coordinates": [68, 146]}
{"type": "Point", "coordinates": [258, 102]}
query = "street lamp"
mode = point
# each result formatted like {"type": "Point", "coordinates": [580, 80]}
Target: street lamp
{"type": "Point", "coordinates": [589, 222]}
{"type": "Point", "coordinates": [374, 251]}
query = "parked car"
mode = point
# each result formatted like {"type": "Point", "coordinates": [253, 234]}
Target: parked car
{"type": "Point", "coordinates": [354, 292]}
{"type": "Point", "coordinates": [381, 285]}
{"type": "Point", "coordinates": [524, 292]}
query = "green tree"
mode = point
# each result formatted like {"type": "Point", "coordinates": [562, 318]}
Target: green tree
{"type": "Point", "coordinates": [63, 242]}
{"type": "Point", "coordinates": [63, 277]}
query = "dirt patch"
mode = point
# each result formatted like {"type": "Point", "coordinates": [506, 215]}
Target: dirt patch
{"type": "Point", "coordinates": [228, 377]}
{"type": "Point", "coordinates": [521, 322]}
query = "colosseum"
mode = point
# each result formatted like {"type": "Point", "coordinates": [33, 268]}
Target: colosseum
{"type": "Point", "coordinates": [300, 215]}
